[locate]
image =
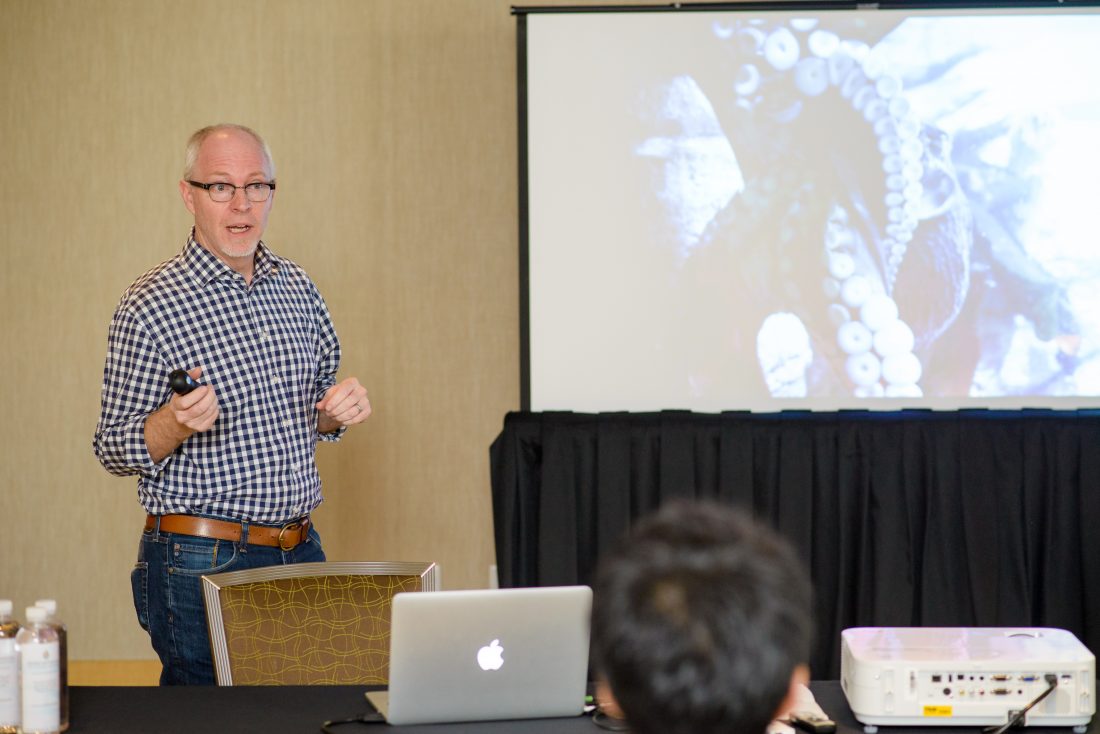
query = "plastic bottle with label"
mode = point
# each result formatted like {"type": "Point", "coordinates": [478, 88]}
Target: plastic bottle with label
{"type": "Point", "coordinates": [9, 671]}
{"type": "Point", "coordinates": [39, 674]}
{"type": "Point", "coordinates": [50, 606]}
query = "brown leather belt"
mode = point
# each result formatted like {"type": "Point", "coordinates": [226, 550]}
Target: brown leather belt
{"type": "Point", "coordinates": [285, 537]}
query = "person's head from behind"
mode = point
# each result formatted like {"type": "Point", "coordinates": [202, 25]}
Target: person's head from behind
{"type": "Point", "coordinates": [702, 623]}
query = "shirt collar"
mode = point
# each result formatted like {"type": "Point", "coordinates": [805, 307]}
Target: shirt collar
{"type": "Point", "coordinates": [205, 267]}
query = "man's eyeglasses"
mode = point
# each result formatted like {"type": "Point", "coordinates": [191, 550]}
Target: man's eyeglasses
{"type": "Point", "coordinates": [222, 192]}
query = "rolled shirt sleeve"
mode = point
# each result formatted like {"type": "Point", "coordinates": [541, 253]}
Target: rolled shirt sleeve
{"type": "Point", "coordinates": [328, 358]}
{"type": "Point", "coordinates": [135, 384]}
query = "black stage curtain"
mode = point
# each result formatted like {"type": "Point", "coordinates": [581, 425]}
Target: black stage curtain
{"type": "Point", "coordinates": [917, 518]}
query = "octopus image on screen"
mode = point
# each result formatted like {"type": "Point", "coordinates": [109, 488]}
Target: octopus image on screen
{"type": "Point", "coordinates": [880, 221]}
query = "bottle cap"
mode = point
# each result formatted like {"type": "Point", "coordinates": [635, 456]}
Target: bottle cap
{"type": "Point", "coordinates": [36, 615]}
{"type": "Point", "coordinates": [49, 605]}
{"type": "Point", "coordinates": [5, 607]}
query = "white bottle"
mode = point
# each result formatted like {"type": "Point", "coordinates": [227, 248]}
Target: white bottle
{"type": "Point", "coordinates": [39, 674]}
{"type": "Point", "coordinates": [9, 671]}
{"type": "Point", "coordinates": [63, 643]}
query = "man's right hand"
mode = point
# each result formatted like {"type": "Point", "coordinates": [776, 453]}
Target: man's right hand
{"type": "Point", "coordinates": [179, 418]}
{"type": "Point", "coordinates": [198, 409]}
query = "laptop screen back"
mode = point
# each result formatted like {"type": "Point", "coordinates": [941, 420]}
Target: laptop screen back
{"type": "Point", "coordinates": [481, 655]}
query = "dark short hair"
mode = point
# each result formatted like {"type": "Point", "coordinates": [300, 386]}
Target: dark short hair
{"type": "Point", "coordinates": [699, 619]}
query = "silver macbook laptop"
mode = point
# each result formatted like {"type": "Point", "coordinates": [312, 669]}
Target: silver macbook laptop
{"type": "Point", "coordinates": [487, 654]}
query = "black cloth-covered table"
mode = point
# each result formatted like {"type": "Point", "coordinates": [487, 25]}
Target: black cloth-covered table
{"type": "Point", "coordinates": [302, 709]}
{"type": "Point", "coordinates": [968, 518]}
{"type": "Point", "coordinates": [258, 710]}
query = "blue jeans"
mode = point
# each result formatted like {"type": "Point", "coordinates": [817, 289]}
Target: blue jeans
{"type": "Point", "coordinates": [167, 584]}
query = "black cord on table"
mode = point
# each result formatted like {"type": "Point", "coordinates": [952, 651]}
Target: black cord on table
{"type": "Point", "coordinates": [371, 717]}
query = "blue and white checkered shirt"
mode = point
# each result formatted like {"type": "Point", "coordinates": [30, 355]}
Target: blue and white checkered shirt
{"type": "Point", "coordinates": [269, 350]}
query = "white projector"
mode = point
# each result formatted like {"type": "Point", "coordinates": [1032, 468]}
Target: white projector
{"type": "Point", "coordinates": [967, 676]}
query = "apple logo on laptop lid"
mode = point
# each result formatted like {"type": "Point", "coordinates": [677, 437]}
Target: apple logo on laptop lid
{"type": "Point", "coordinates": [491, 656]}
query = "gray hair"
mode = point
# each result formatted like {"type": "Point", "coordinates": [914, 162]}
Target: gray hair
{"type": "Point", "coordinates": [196, 140]}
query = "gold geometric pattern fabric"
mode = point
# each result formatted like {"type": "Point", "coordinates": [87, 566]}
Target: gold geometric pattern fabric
{"type": "Point", "coordinates": [312, 630]}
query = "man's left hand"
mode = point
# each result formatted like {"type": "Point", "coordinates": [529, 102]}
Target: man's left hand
{"type": "Point", "coordinates": [344, 404]}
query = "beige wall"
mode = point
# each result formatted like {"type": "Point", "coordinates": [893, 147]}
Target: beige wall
{"type": "Point", "coordinates": [393, 128]}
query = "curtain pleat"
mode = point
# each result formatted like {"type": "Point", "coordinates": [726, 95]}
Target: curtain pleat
{"type": "Point", "coordinates": [917, 518]}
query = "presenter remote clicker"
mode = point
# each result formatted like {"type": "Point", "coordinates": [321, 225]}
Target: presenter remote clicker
{"type": "Point", "coordinates": [181, 382]}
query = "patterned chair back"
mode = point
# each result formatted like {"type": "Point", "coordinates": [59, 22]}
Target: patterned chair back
{"type": "Point", "coordinates": [307, 623]}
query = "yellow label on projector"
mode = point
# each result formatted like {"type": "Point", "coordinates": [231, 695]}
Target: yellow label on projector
{"type": "Point", "coordinates": [937, 710]}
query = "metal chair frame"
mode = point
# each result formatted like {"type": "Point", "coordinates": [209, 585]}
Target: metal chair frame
{"type": "Point", "coordinates": [214, 583]}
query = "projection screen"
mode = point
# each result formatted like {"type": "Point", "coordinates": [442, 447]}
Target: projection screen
{"type": "Point", "coordinates": [810, 206]}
